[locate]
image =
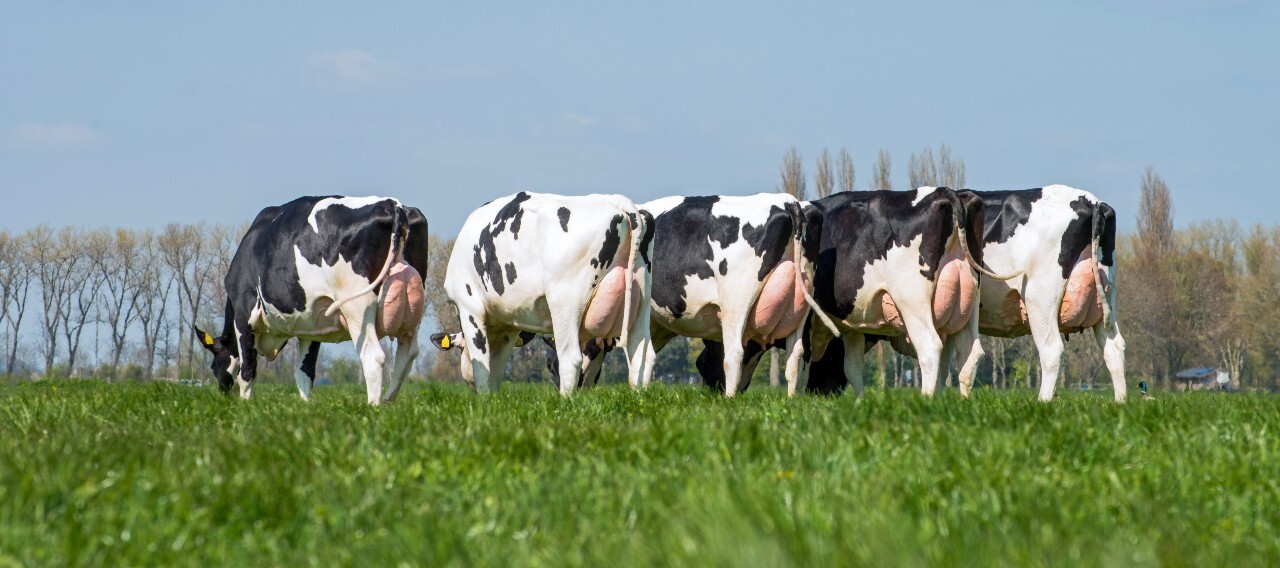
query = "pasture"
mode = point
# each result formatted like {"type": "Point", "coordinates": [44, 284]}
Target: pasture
{"type": "Point", "coordinates": [163, 474]}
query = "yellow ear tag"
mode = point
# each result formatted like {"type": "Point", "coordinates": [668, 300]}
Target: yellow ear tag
{"type": "Point", "coordinates": [444, 342]}
{"type": "Point", "coordinates": [519, 342]}
{"type": "Point", "coordinates": [208, 339]}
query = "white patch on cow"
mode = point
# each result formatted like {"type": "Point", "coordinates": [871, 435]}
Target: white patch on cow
{"type": "Point", "coordinates": [348, 202]}
{"type": "Point", "coordinates": [921, 193]}
{"type": "Point", "coordinates": [898, 274]}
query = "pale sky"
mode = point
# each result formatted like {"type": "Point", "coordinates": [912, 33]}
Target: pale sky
{"type": "Point", "coordinates": [141, 113]}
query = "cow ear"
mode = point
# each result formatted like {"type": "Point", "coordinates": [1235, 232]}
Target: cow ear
{"type": "Point", "coordinates": [207, 341]}
{"type": "Point", "coordinates": [442, 341]}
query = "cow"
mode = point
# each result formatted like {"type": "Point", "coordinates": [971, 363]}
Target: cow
{"type": "Point", "coordinates": [575, 267]}
{"type": "Point", "coordinates": [1062, 240]}
{"type": "Point", "coordinates": [324, 270]}
{"type": "Point", "coordinates": [895, 264]}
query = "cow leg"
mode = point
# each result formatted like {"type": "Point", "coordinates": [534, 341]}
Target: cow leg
{"type": "Point", "coordinates": [854, 345]}
{"type": "Point", "coordinates": [795, 350]}
{"type": "Point", "coordinates": [733, 354]}
{"type": "Point", "coordinates": [501, 344]}
{"type": "Point", "coordinates": [924, 337]}
{"type": "Point", "coordinates": [1043, 303]}
{"type": "Point", "coordinates": [816, 347]}
{"type": "Point", "coordinates": [968, 349]}
{"type": "Point", "coordinates": [406, 354]}
{"type": "Point", "coordinates": [566, 328]}
{"type": "Point", "coordinates": [248, 359]}
{"type": "Point", "coordinates": [639, 348]}
{"type": "Point", "coordinates": [360, 315]}
{"type": "Point", "coordinates": [305, 375]}
{"type": "Point", "coordinates": [1112, 344]}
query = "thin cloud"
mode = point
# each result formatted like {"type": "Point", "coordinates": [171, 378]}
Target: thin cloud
{"type": "Point", "coordinates": [355, 67]}
{"type": "Point", "coordinates": [579, 119]}
{"type": "Point", "coordinates": [59, 136]}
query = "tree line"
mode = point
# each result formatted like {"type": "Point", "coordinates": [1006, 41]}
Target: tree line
{"type": "Point", "coordinates": [117, 304]}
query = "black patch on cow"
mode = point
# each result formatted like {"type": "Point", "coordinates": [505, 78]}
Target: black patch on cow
{"type": "Point", "coordinates": [309, 360]}
{"type": "Point", "coordinates": [484, 253]}
{"type": "Point", "coordinates": [859, 227]}
{"type": "Point", "coordinates": [646, 238]}
{"type": "Point", "coordinates": [511, 273]}
{"type": "Point", "coordinates": [612, 239]}
{"type": "Point", "coordinates": [724, 266]}
{"type": "Point", "coordinates": [468, 289]}
{"type": "Point", "coordinates": [477, 339]}
{"type": "Point", "coordinates": [563, 214]}
{"type": "Point", "coordinates": [416, 247]}
{"type": "Point", "coordinates": [1104, 219]}
{"type": "Point", "coordinates": [778, 229]}
{"type": "Point", "coordinates": [1005, 211]}
{"type": "Point", "coordinates": [1079, 235]}
{"type": "Point", "coordinates": [683, 246]}
{"type": "Point", "coordinates": [710, 363]}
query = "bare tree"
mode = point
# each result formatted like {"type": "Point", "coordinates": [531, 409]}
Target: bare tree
{"type": "Point", "coordinates": [120, 299]}
{"type": "Point", "coordinates": [792, 174]}
{"type": "Point", "coordinates": [52, 267]}
{"type": "Point", "coordinates": [824, 183]}
{"type": "Point", "coordinates": [445, 365]}
{"type": "Point", "coordinates": [1154, 311]}
{"type": "Point", "coordinates": [922, 170]}
{"type": "Point", "coordinates": [181, 246]}
{"type": "Point", "coordinates": [90, 250]}
{"type": "Point", "coordinates": [156, 283]}
{"type": "Point", "coordinates": [15, 283]}
{"type": "Point", "coordinates": [881, 171]}
{"type": "Point", "coordinates": [844, 169]}
{"type": "Point", "coordinates": [951, 172]}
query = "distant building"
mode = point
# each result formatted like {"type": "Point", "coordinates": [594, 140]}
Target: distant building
{"type": "Point", "coordinates": [1202, 378]}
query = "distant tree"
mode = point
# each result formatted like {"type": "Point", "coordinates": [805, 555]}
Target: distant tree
{"type": "Point", "coordinates": [90, 250]}
{"type": "Point", "coordinates": [156, 282]}
{"type": "Point", "coordinates": [440, 308]}
{"type": "Point", "coordinates": [844, 169]}
{"type": "Point", "coordinates": [882, 171]}
{"type": "Point", "coordinates": [792, 170]}
{"type": "Point", "coordinates": [824, 183]}
{"type": "Point", "coordinates": [120, 298]}
{"type": "Point", "coordinates": [52, 267]}
{"type": "Point", "coordinates": [941, 170]}
{"type": "Point", "coordinates": [15, 283]}
{"type": "Point", "coordinates": [1154, 312]}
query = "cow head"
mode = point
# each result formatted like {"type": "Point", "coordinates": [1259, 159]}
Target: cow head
{"type": "Point", "coordinates": [226, 363]}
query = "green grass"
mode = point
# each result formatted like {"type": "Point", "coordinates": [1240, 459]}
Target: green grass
{"type": "Point", "coordinates": [164, 474]}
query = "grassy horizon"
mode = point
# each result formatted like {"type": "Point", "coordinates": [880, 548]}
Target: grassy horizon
{"type": "Point", "coordinates": [165, 474]}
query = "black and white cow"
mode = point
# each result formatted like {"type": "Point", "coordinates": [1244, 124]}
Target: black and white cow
{"type": "Point", "coordinates": [1062, 240]}
{"type": "Point", "coordinates": [895, 264]}
{"type": "Point", "coordinates": [731, 270]}
{"type": "Point", "coordinates": [324, 270]}
{"type": "Point", "coordinates": [575, 267]}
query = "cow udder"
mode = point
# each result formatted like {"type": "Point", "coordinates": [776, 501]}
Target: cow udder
{"type": "Point", "coordinates": [403, 304]}
{"type": "Point", "coordinates": [954, 297]}
{"type": "Point", "coordinates": [1081, 304]}
{"type": "Point", "coordinates": [780, 308]}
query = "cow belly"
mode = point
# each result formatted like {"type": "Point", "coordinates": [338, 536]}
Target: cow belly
{"type": "Point", "coordinates": [1081, 304]}
{"type": "Point", "coordinates": [402, 306]}
{"type": "Point", "coordinates": [603, 317]}
{"type": "Point", "coordinates": [954, 297]}
{"type": "Point", "coordinates": [780, 308]}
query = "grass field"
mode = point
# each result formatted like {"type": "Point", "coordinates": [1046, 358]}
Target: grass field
{"type": "Point", "coordinates": [162, 474]}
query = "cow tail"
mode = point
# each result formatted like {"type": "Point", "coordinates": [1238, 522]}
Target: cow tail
{"type": "Point", "coordinates": [959, 221]}
{"type": "Point", "coordinates": [803, 266]}
{"type": "Point", "coordinates": [637, 224]}
{"type": "Point", "coordinates": [1097, 228]}
{"type": "Point", "coordinates": [394, 254]}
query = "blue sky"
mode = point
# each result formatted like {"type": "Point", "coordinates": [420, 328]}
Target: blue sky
{"type": "Point", "coordinates": [142, 113]}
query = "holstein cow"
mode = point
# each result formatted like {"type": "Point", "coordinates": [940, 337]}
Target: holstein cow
{"type": "Point", "coordinates": [324, 270]}
{"type": "Point", "coordinates": [1061, 241]}
{"type": "Point", "coordinates": [893, 264]}
{"type": "Point", "coordinates": [729, 270]}
{"type": "Point", "coordinates": [575, 267]}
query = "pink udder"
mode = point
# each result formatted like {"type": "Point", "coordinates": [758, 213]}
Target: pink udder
{"type": "Point", "coordinates": [1081, 304]}
{"type": "Point", "coordinates": [603, 317]}
{"type": "Point", "coordinates": [954, 297]}
{"type": "Point", "coordinates": [402, 308]}
{"type": "Point", "coordinates": [781, 307]}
